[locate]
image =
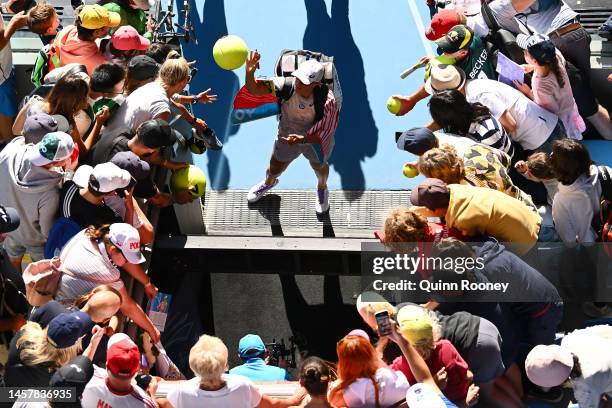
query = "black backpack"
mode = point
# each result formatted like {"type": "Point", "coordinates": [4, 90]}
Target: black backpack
{"type": "Point", "coordinates": [503, 40]}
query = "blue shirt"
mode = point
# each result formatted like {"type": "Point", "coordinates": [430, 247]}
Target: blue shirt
{"type": "Point", "coordinates": [255, 369]}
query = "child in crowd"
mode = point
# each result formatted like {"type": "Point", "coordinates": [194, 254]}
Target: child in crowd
{"type": "Point", "coordinates": [550, 87]}
{"type": "Point", "coordinates": [315, 376]}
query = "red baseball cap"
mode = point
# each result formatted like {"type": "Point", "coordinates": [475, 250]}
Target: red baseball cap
{"type": "Point", "coordinates": [122, 356]}
{"type": "Point", "coordinates": [441, 23]}
{"type": "Point", "coordinates": [126, 38]}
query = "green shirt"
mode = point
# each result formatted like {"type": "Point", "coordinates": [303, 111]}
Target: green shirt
{"type": "Point", "coordinates": [132, 17]}
{"type": "Point", "coordinates": [478, 64]}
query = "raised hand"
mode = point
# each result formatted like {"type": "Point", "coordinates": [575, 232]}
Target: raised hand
{"type": "Point", "coordinates": [204, 97]}
{"type": "Point", "coordinates": [252, 63]}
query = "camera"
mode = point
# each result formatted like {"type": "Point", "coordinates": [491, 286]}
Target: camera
{"type": "Point", "coordinates": [278, 351]}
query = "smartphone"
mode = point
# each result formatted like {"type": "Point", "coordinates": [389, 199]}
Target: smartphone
{"type": "Point", "coordinates": [383, 323]}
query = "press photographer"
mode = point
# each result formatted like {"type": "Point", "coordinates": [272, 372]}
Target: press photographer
{"type": "Point", "coordinates": [253, 353]}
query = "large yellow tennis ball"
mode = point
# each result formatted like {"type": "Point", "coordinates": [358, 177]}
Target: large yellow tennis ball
{"type": "Point", "coordinates": [190, 179]}
{"type": "Point", "coordinates": [230, 52]}
{"type": "Point", "coordinates": [393, 105]}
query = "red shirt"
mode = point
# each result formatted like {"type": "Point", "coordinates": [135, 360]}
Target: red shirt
{"type": "Point", "coordinates": [444, 355]}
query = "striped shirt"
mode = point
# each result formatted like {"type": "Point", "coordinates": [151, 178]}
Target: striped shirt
{"type": "Point", "coordinates": [81, 211]}
{"type": "Point", "coordinates": [97, 394]}
{"type": "Point", "coordinates": [491, 133]}
{"type": "Point", "coordinates": [85, 267]}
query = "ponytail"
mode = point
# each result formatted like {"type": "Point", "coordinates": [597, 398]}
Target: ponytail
{"type": "Point", "coordinates": [557, 70]}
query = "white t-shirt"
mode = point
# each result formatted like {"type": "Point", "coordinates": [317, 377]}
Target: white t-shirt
{"type": "Point", "coordinates": [297, 113]}
{"type": "Point", "coordinates": [460, 143]}
{"type": "Point", "coordinates": [533, 123]}
{"type": "Point", "coordinates": [118, 205]}
{"type": "Point", "coordinates": [145, 103]}
{"type": "Point", "coordinates": [6, 58]}
{"type": "Point", "coordinates": [97, 394]}
{"type": "Point", "coordinates": [239, 392]}
{"type": "Point", "coordinates": [594, 352]}
{"type": "Point", "coordinates": [392, 388]}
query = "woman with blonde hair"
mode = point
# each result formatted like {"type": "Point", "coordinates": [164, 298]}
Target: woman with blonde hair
{"type": "Point", "coordinates": [480, 166]}
{"type": "Point", "coordinates": [155, 100]}
{"type": "Point", "coordinates": [211, 387]}
{"type": "Point", "coordinates": [35, 353]}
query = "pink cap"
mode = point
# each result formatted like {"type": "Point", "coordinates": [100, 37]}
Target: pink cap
{"type": "Point", "coordinates": [360, 333]}
{"type": "Point", "coordinates": [548, 366]}
{"type": "Point", "coordinates": [126, 38]}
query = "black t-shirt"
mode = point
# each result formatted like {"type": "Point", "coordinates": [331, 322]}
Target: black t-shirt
{"type": "Point", "coordinates": [461, 329]}
{"type": "Point", "coordinates": [47, 312]}
{"type": "Point", "coordinates": [81, 211]}
{"type": "Point", "coordinates": [12, 294]}
{"type": "Point", "coordinates": [18, 375]}
{"type": "Point", "coordinates": [106, 148]}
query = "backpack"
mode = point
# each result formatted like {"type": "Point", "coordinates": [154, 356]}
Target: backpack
{"type": "Point", "coordinates": [47, 60]}
{"type": "Point", "coordinates": [603, 221]}
{"type": "Point", "coordinates": [502, 40]}
{"type": "Point", "coordinates": [61, 232]}
{"type": "Point", "coordinates": [289, 60]}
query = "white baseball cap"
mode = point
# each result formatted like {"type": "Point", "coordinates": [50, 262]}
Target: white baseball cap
{"type": "Point", "coordinates": [423, 396]}
{"type": "Point", "coordinates": [54, 147]}
{"type": "Point", "coordinates": [126, 238]}
{"type": "Point", "coordinates": [107, 177]}
{"type": "Point", "coordinates": [309, 71]}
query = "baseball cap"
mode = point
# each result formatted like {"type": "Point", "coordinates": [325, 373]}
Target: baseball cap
{"type": "Point", "coordinates": [9, 219]}
{"type": "Point", "coordinates": [156, 133]}
{"type": "Point", "coordinates": [251, 342]}
{"type": "Point", "coordinates": [126, 38]}
{"type": "Point", "coordinates": [443, 77]}
{"type": "Point", "coordinates": [416, 141]}
{"type": "Point", "coordinates": [122, 356]}
{"type": "Point", "coordinates": [309, 72]}
{"type": "Point", "coordinates": [431, 193]}
{"type": "Point", "coordinates": [39, 125]}
{"type": "Point", "coordinates": [142, 67]}
{"type": "Point", "coordinates": [126, 238]}
{"type": "Point", "coordinates": [65, 329]}
{"type": "Point", "coordinates": [422, 395]}
{"type": "Point", "coordinates": [103, 178]}
{"type": "Point", "coordinates": [457, 38]}
{"type": "Point", "coordinates": [95, 16]}
{"type": "Point", "coordinates": [548, 366]}
{"type": "Point", "coordinates": [138, 168]}
{"type": "Point", "coordinates": [76, 373]}
{"type": "Point", "coordinates": [441, 23]}
{"type": "Point", "coordinates": [53, 147]}
{"type": "Point", "coordinates": [415, 324]}
{"type": "Point", "coordinates": [541, 48]}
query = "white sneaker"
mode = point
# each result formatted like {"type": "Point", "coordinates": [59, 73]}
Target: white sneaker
{"type": "Point", "coordinates": [258, 190]}
{"type": "Point", "coordinates": [322, 204]}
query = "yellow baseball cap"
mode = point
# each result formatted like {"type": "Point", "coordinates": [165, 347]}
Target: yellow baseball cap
{"type": "Point", "coordinates": [415, 324]}
{"type": "Point", "coordinates": [94, 16]}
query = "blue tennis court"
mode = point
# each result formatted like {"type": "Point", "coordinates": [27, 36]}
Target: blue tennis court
{"type": "Point", "coordinates": [372, 45]}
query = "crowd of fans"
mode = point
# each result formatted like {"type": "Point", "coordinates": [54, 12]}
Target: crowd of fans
{"type": "Point", "coordinates": [504, 167]}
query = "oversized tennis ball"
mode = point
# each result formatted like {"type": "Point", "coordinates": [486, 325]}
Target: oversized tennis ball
{"type": "Point", "coordinates": [410, 170]}
{"type": "Point", "coordinates": [230, 52]}
{"type": "Point", "coordinates": [394, 105]}
{"type": "Point", "coordinates": [190, 179]}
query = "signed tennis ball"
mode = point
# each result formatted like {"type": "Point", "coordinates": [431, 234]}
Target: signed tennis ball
{"type": "Point", "coordinates": [230, 52]}
{"type": "Point", "coordinates": [394, 105]}
{"type": "Point", "coordinates": [189, 178]}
